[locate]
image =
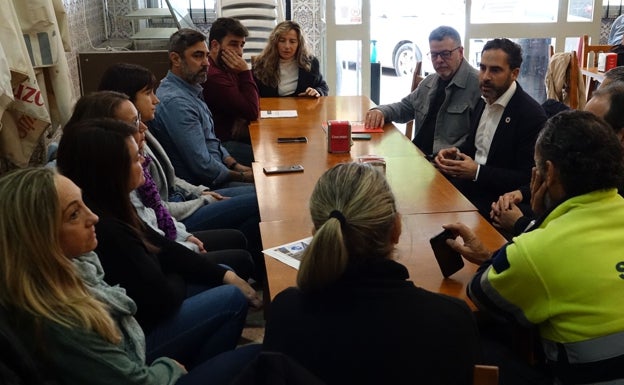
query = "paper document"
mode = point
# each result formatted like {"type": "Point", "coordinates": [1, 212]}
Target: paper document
{"type": "Point", "coordinates": [289, 253]}
{"type": "Point", "coordinates": [278, 114]}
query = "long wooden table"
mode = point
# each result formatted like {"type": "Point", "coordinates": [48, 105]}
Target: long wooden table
{"type": "Point", "coordinates": [425, 199]}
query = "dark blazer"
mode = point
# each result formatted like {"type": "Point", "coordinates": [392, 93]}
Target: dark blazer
{"type": "Point", "coordinates": [306, 79]}
{"type": "Point", "coordinates": [375, 327]}
{"type": "Point", "coordinates": [510, 158]}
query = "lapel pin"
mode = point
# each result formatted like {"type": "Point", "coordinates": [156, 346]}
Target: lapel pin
{"type": "Point", "coordinates": [507, 120]}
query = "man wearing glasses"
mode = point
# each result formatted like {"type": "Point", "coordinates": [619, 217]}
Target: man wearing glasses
{"type": "Point", "coordinates": [443, 102]}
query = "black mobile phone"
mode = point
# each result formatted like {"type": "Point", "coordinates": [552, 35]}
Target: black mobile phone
{"type": "Point", "coordinates": [283, 169]}
{"type": "Point", "coordinates": [449, 260]}
{"type": "Point", "coordinates": [297, 139]}
{"type": "Point", "coordinates": [361, 136]}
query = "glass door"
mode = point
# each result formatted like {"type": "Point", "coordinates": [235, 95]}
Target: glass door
{"type": "Point", "coordinates": [346, 42]}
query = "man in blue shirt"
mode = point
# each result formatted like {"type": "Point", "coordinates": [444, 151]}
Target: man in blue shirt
{"type": "Point", "coordinates": [183, 123]}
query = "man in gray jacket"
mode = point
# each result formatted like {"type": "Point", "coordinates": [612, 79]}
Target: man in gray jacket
{"type": "Point", "coordinates": [442, 104]}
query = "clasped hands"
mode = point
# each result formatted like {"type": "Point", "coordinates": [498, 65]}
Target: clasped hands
{"type": "Point", "coordinates": [456, 164]}
{"type": "Point", "coordinates": [245, 172]}
{"type": "Point", "coordinates": [505, 211]}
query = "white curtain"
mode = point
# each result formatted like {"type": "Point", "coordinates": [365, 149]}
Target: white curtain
{"type": "Point", "coordinates": [33, 36]}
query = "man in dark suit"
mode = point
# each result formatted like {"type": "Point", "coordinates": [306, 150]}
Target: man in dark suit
{"type": "Point", "coordinates": [498, 155]}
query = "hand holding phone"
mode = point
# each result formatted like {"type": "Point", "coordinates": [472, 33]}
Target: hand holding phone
{"type": "Point", "coordinates": [283, 169]}
{"type": "Point", "coordinates": [449, 260]}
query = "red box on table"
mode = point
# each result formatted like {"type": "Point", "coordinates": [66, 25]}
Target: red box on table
{"type": "Point", "coordinates": [338, 136]}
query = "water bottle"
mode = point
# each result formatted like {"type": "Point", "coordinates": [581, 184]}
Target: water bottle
{"type": "Point", "coordinates": [373, 57]}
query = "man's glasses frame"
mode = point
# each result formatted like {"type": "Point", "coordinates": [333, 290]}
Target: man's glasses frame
{"type": "Point", "coordinates": [445, 55]}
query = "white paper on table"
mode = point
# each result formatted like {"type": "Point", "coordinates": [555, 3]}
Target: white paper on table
{"type": "Point", "coordinates": [278, 114]}
{"type": "Point", "coordinates": [289, 253]}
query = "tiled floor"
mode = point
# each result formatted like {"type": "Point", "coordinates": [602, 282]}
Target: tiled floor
{"type": "Point", "coordinates": [254, 328]}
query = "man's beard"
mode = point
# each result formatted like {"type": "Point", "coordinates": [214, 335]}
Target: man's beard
{"type": "Point", "coordinates": [194, 77]}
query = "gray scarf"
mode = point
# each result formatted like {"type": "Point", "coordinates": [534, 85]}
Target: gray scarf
{"type": "Point", "coordinates": [120, 306]}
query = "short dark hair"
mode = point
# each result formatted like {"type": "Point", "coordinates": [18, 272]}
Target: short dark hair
{"type": "Point", "coordinates": [615, 74]}
{"type": "Point", "coordinates": [224, 26]}
{"type": "Point", "coordinates": [585, 151]}
{"type": "Point", "coordinates": [184, 38]}
{"type": "Point", "coordinates": [614, 92]}
{"type": "Point", "coordinates": [127, 78]}
{"type": "Point", "coordinates": [513, 51]}
{"type": "Point", "coordinates": [444, 31]}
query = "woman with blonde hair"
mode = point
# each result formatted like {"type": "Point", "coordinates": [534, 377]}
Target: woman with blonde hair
{"type": "Point", "coordinates": [38, 237]}
{"type": "Point", "coordinates": [354, 317]}
{"type": "Point", "coordinates": [80, 330]}
{"type": "Point", "coordinates": [286, 67]}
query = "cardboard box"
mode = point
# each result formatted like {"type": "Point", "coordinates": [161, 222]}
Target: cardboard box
{"type": "Point", "coordinates": [338, 136]}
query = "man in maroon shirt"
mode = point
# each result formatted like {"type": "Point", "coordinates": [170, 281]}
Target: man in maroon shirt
{"type": "Point", "coordinates": [230, 90]}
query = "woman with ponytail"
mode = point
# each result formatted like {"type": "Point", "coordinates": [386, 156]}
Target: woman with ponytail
{"type": "Point", "coordinates": [355, 317]}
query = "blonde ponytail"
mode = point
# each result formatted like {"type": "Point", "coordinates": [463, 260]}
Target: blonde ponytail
{"type": "Point", "coordinates": [353, 211]}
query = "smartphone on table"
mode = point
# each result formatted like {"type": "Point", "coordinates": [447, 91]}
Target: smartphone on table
{"type": "Point", "coordinates": [294, 139]}
{"type": "Point", "coordinates": [283, 169]}
{"type": "Point", "coordinates": [361, 136]}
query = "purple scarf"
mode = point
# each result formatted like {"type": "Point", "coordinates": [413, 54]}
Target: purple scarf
{"type": "Point", "coordinates": [151, 198]}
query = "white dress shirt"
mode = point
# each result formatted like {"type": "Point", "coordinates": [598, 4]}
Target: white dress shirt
{"type": "Point", "coordinates": [492, 114]}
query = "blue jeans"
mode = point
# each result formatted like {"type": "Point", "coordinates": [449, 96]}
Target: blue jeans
{"type": "Point", "coordinates": [234, 213]}
{"type": "Point", "coordinates": [239, 212]}
{"type": "Point", "coordinates": [222, 369]}
{"type": "Point", "coordinates": [207, 323]}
